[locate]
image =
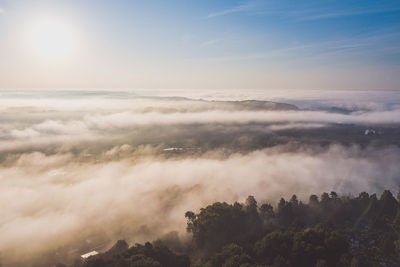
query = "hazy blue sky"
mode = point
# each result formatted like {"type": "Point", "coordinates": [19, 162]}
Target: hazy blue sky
{"type": "Point", "coordinates": [200, 44]}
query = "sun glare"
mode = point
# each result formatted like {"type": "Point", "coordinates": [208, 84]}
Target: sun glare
{"type": "Point", "coordinates": [52, 39]}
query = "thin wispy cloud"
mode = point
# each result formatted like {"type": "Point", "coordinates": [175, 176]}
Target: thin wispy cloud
{"type": "Point", "coordinates": [235, 9]}
{"type": "Point", "coordinates": [1, 11]}
{"type": "Point", "coordinates": [325, 51]}
{"type": "Point", "coordinates": [349, 13]}
{"type": "Point", "coordinates": [282, 51]}
{"type": "Point", "coordinates": [305, 14]}
{"type": "Point", "coordinates": [210, 42]}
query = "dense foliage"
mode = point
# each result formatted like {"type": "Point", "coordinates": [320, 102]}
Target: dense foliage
{"type": "Point", "coordinates": [137, 256]}
{"type": "Point", "coordinates": [328, 231]}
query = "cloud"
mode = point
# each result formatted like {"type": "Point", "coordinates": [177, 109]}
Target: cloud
{"type": "Point", "coordinates": [144, 127]}
{"type": "Point", "coordinates": [210, 42]}
{"type": "Point", "coordinates": [348, 13]}
{"type": "Point", "coordinates": [287, 126]}
{"type": "Point", "coordinates": [52, 124]}
{"type": "Point", "coordinates": [307, 13]}
{"type": "Point", "coordinates": [235, 9]}
{"type": "Point", "coordinates": [335, 51]}
{"type": "Point", "coordinates": [125, 120]}
{"type": "Point", "coordinates": [60, 200]}
{"type": "Point", "coordinates": [128, 119]}
{"type": "Point", "coordinates": [85, 171]}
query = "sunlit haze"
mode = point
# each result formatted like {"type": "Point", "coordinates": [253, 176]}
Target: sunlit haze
{"type": "Point", "coordinates": [51, 39]}
{"type": "Point", "coordinates": [252, 44]}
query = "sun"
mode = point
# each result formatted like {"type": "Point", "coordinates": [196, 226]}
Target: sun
{"type": "Point", "coordinates": [52, 39]}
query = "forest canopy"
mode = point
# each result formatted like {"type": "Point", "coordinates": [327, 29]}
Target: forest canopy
{"type": "Point", "coordinates": [329, 230]}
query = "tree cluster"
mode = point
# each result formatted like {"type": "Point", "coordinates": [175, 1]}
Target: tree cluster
{"type": "Point", "coordinates": [328, 231]}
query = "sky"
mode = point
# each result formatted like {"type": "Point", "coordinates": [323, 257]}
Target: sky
{"type": "Point", "coordinates": [327, 45]}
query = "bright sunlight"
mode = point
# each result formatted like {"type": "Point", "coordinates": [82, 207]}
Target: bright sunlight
{"type": "Point", "coordinates": [52, 39]}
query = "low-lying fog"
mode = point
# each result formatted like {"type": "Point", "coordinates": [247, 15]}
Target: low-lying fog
{"type": "Point", "coordinates": [82, 169]}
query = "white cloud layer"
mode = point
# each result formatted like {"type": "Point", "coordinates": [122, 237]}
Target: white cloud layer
{"type": "Point", "coordinates": [59, 199]}
{"type": "Point", "coordinates": [113, 124]}
{"type": "Point", "coordinates": [78, 168]}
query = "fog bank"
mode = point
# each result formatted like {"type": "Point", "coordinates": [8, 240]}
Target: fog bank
{"type": "Point", "coordinates": [57, 200]}
{"type": "Point", "coordinates": [79, 170]}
